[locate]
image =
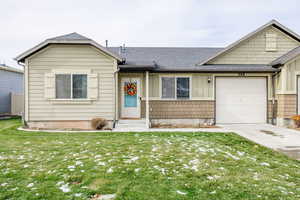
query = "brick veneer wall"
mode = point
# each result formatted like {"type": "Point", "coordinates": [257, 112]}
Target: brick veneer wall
{"type": "Point", "coordinates": [189, 109]}
{"type": "Point", "coordinates": [185, 109]}
{"type": "Point", "coordinates": [287, 105]}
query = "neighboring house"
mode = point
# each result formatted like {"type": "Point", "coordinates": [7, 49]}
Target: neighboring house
{"type": "Point", "coordinates": [71, 79]}
{"type": "Point", "coordinates": [11, 83]}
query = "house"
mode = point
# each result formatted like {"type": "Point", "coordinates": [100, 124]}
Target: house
{"type": "Point", "coordinates": [71, 79]}
{"type": "Point", "coordinates": [11, 84]}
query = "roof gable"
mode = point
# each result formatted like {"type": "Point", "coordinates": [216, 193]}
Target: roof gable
{"type": "Point", "coordinates": [286, 57]}
{"type": "Point", "coordinates": [272, 23]}
{"type": "Point", "coordinates": [72, 38]}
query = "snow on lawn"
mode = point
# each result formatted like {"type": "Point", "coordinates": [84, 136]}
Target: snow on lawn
{"type": "Point", "coordinates": [78, 165]}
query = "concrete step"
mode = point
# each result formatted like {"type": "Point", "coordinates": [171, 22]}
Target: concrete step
{"type": "Point", "coordinates": [131, 125]}
{"type": "Point", "coordinates": [124, 126]}
{"type": "Point", "coordinates": [128, 121]}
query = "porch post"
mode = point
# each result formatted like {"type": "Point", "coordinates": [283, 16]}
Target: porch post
{"type": "Point", "coordinates": [147, 99]}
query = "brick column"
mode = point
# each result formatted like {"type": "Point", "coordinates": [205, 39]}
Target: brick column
{"type": "Point", "coordinates": [287, 107]}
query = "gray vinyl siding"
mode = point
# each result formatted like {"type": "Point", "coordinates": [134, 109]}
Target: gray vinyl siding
{"type": "Point", "coordinates": [72, 58]}
{"type": "Point", "coordinates": [9, 82]}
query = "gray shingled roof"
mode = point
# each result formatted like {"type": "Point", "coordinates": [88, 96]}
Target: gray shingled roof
{"type": "Point", "coordinates": [286, 57]}
{"type": "Point", "coordinates": [71, 36]}
{"type": "Point", "coordinates": [178, 59]}
{"type": "Point", "coordinates": [175, 57]}
{"type": "Point", "coordinates": [203, 68]}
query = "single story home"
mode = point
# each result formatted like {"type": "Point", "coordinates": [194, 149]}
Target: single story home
{"type": "Point", "coordinates": [71, 79]}
{"type": "Point", "coordinates": [11, 85]}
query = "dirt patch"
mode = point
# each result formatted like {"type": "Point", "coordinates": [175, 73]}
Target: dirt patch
{"type": "Point", "coordinates": [182, 126]}
{"type": "Point", "coordinates": [97, 183]}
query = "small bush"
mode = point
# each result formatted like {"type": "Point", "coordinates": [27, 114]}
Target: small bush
{"type": "Point", "coordinates": [296, 119]}
{"type": "Point", "coordinates": [99, 123]}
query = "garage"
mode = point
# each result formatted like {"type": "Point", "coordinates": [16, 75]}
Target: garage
{"type": "Point", "coordinates": [241, 100]}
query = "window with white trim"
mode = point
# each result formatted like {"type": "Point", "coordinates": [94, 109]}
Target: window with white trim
{"type": "Point", "coordinates": [175, 87]}
{"type": "Point", "coordinates": [71, 86]}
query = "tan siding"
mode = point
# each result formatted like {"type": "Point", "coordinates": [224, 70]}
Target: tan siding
{"type": "Point", "coordinates": [71, 57]}
{"type": "Point", "coordinates": [200, 86]}
{"type": "Point", "coordinates": [290, 77]}
{"type": "Point", "coordinates": [253, 50]}
{"type": "Point", "coordinates": [154, 86]}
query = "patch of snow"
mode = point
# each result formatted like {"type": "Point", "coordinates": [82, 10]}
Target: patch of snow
{"type": "Point", "coordinates": [107, 197]}
{"type": "Point", "coordinates": [60, 183]}
{"type": "Point", "coordinates": [137, 169]}
{"type": "Point", "coordinates": [213, 177]}
{"type": "Point", "coordinates": [232, 156]}
{"type": "Point", "coordinates": [213, 192]}
{"type": "Point", "coordinates": [182, 193]}
{"type": "Point", "coordinates": [65, 188]}
{"type": "Point", "coordinates": [102, 163]}
{"type": "Point", "coordinates": [79, 163]}
{"type": "Point", "coordinates": [21, 157]}
{"type": "Point", "coordinates": [110, 170]}
{"type": "Point", "coordinates": [30, 185]}
{"type": "Point", "coordinates": [4, 184]}
{"type": "Point", "coordinates": [264, 164]}
{"type": "Point", "coordinates": [132, 160]}
{"type": "Point", "coordinates": [78, 194]}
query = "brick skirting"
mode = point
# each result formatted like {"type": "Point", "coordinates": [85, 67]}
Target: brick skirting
{"type": "Point", "coordinates": [186, 109]}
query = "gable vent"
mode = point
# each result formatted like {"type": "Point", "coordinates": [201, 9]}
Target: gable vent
{"type": "Point", "coordinates": [271, 42]}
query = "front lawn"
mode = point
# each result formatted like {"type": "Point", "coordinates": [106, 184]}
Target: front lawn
{"type": "Point", "coordinates": [138, 166]}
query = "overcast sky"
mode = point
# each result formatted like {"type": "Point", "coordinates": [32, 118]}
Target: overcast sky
{"type": "Point", "coordinates": [176, 23]}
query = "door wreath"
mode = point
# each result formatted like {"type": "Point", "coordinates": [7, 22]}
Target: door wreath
{"type": "Point", "coordinates": [130, 88]}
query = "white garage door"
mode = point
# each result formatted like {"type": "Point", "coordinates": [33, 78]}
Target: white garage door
{"type": "Point", "coordinates": [241, 100]}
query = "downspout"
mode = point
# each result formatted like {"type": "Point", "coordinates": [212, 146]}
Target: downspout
{"type": "Point", "coordinates": [273, 97]}
{"type": "Point", "coordinates": [24, 102]}
{"type": "Point", "coordinates": [116, 96]}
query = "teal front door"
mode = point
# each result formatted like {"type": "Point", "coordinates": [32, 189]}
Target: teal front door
{"type": "Point", "coordinates": [130, 98]}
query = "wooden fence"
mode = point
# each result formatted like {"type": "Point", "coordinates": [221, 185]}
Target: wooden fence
{"type": "Point", "coordinates": [17, 104]}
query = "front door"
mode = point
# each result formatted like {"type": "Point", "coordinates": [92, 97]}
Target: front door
{"type": "Point", "coordinates": [130, 88]}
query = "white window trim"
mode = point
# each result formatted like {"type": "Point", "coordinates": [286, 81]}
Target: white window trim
{"type": "Point", "coordinates": [175, 76]}
{"type": "Point", "coordinates": [71, 73]}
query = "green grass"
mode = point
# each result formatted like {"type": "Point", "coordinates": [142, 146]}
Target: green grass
{"type": "Point", "coordinates": [35, 165]}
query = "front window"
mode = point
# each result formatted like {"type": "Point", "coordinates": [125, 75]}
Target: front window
{"type": "Point", "coordinates": [71, 86]}
{"type": "Point", "coordinates": [183, 88]}
{"type": "Point", "coordinates": [175, 87]}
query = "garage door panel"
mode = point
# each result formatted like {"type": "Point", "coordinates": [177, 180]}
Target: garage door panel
{"type": "Point", "coordinates": [241, 100]}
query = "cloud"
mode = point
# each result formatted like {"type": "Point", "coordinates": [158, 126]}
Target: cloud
{"type": "Point", "coordinates": [138, 22]}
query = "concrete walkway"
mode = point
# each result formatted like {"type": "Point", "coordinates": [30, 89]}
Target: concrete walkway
{"type": "Point", "coordinates": [280, 139]}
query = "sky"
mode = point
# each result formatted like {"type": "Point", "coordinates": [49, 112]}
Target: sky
{"type": "Point", "coordinates": [160, 23]}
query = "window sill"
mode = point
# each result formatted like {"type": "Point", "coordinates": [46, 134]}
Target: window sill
{"type": "Point", "coordinates": [71, 101]}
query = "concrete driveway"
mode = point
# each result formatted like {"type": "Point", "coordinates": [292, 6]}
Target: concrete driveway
{"type": "Point", "coordinates": [280, 139]}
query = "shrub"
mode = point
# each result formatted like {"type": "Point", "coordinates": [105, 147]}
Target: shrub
{"type": "Point", "coordinates": [296, 119]}
{"type": "Point", "coordinates": [99, 123]}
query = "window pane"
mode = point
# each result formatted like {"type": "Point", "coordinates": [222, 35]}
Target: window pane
{"type": "Point", "coordinates": [183, 88]}
{"type": "Point", "coordinates": [63, 86]}
{"type": "Point", "coordinates": [79, 86]}
{"type": "Point", "coordinates": [168, 87]}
